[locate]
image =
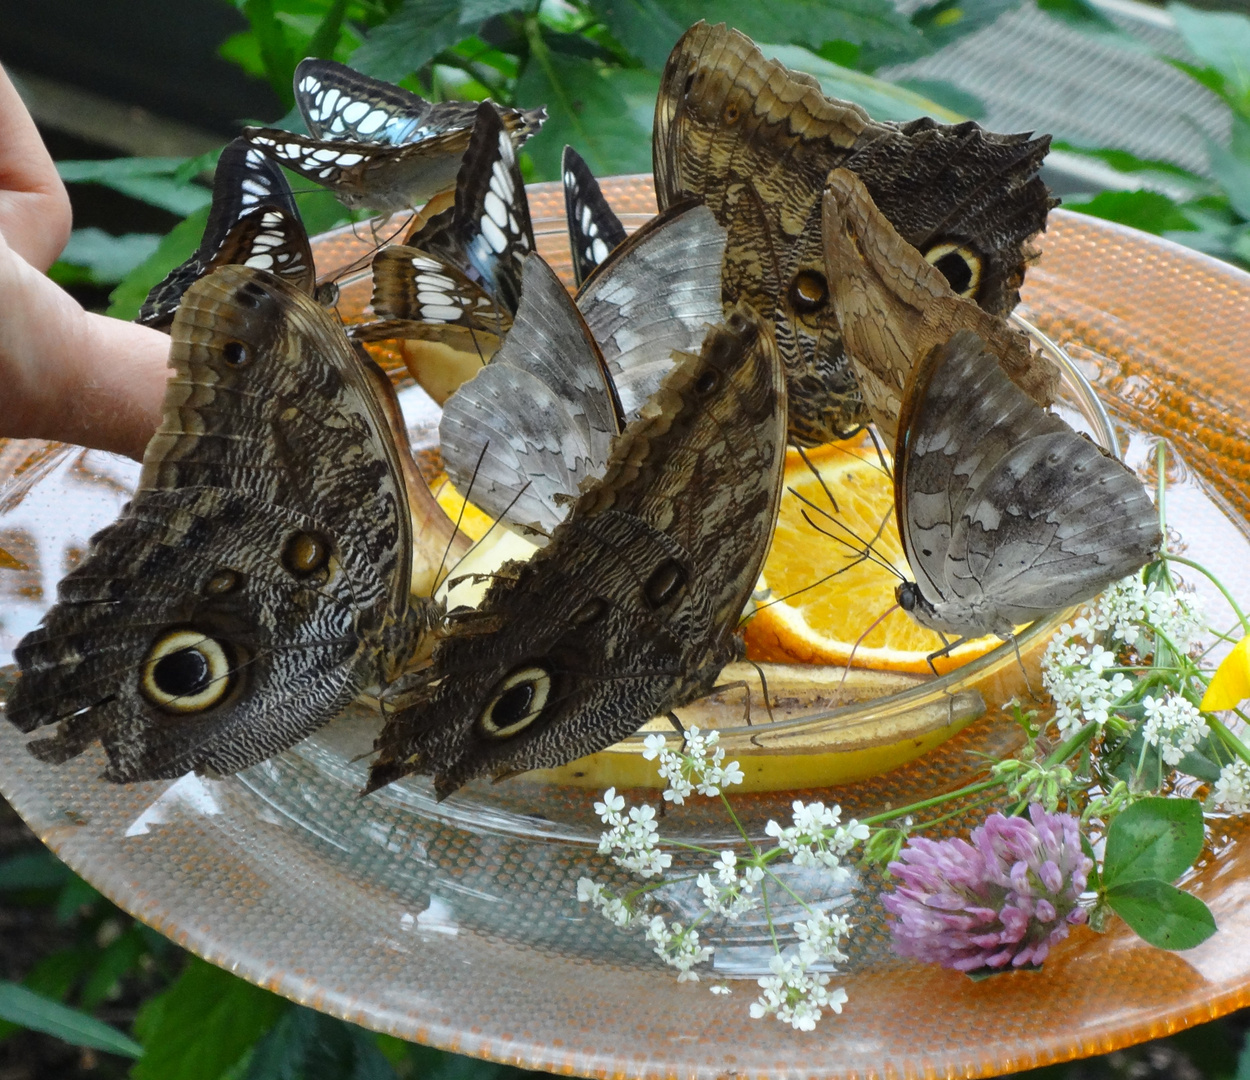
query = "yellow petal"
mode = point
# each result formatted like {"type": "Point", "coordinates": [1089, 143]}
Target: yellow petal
{"type": "Point", "coordinates": [1231, 682]}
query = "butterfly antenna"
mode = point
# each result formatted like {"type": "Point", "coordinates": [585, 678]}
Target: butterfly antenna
{"type": "Point", "coordinates": [1015, 644]}
{"type": "Point", "coordinates": [464, 505]}
{"type": "Point", "coordinates": [860, 640]}
{"type": "Point", "coordinates": [876, 444]}
{"type": "Point", "coordinates": [863, 548]}
{"type": "Point", "coordinates": [819, 479]}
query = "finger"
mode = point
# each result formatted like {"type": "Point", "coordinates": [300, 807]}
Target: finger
{"type": "Point", "coordinates": [35, 216]}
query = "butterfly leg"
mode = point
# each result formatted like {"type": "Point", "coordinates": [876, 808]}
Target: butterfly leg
{"type": "Point", "coordinates": [947, 647]}
{"type": "Point", "coordinates": [1015, 644]}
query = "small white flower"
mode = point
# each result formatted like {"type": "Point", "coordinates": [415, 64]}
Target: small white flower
{"type": "Point", "coordinates": [720, 988]}
{"type": "Point", "coordinates": [678, 947]}
{"type": "Point", "coordinates": [1232, 789]}
{"type": "Point", "coordinates": [588, 891]}
{"type": "Point", "coordinates": [653, 746]}
{"type": "Point", "coordinates": [1174, 725]}
{"type": "Point", "coordinates": [795, 994]}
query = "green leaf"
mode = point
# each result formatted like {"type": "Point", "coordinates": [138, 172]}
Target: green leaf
{"type": "Point", "coordinates": [947, 95]}
{"type": "Point", "coordinates": [203, 1024]}
{"type": "Point", "coordinates": [1079, 13]}
{"type": "Point", "coordinates": [1093, 881]}
{"type": "Point", "coordinates": [585, 108]}
{"type": "Point", "coordinates": [326, 37]}
{"type": "Point", "coordinates": [883, 100]}
{"type": "Point", "coordinates": [106, 259]}
{"type": "Point", "coordinates": [150, 180]}
{"type": "Point", "coordinates": [275, 51]}
{"type": "Point", "coordinates": [949, 20]}
{"type": "Point", "coordinates": [1161, 914]}
{"type": "Point", "coordinates": [418, 31]}
{"type": "Point", "coordinates": [1221, 40]}
{"type": "Point", "coordinates": [1155, 838]}
{"type": "Point", "coordinates": [1231, 169]}
{"type": "Point", "coordinates": [33, 870]}
{"type": "Point", "coordinates": [23, 1006]}
{"type": "Point", "coordinates": [644, 27]}
{"type": "Point", "coordinates": [177, 246]}
{"type": "Point", "coordinates": [307, 1045]}
{"type": "Point", "coordinates": [1150, 211]}
{"type": "Point", "coordinates": [119, 958]}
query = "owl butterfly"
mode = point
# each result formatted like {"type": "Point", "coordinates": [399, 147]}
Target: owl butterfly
{"type": "Point", "coordinates": [630, 609]}
{"type": "Point", "coordinates": [594, 230]}
{"type": "Point", "coordinates": [259, 579]}
{"type": "Point", "coordinates": [757, 141]}
{"type": "Point", "coordinates": [374, 144]}
{"type": "Point", "coordinates": [530, 428]}
{"type": "Point", "coordinates": [893, 307]}
{"type": "Point", "coordinates": [1006, 514]}
{"type": "Point", "coordinates": [253, 221]}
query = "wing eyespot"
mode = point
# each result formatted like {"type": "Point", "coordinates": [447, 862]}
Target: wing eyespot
{"type": "Point", "coordinates": [707, 382]}
{"type": "Point", "coordinates": [959, 264]}
{"type": "Point", "coordinates": [517, 702]}
{"type": "Point", "coordinates": [236, 354]}
{"type": "Point", "coordinates": [187, 671]}
{"type": "Point", "coordinates": [665, 582]}
{"type": "Point", "coordinates": [592, 611]}
{"type": "Point", "coordinates": [809, 292]}
{"type": "Point", "coordinates": [222, 582]}
{"type": "Point", "coordinates": [305, 553]}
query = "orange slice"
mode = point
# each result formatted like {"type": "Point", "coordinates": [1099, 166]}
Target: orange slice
{"type": "Point", "coordinates": [819, 593]}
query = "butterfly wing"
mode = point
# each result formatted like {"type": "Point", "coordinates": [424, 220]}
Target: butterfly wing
{"type": "Point", "coordinates": [630, 609]}
{"type": "Point", "coordinates": [655, 296]}
{"type": "Point", "coordinates": [893, 307]}
{"type": "Point", "coordinates": [594, 230]}
{"type": "Point", "coordinates": [537, 420]}
{"type": "Point", "coordinates": [1006, 513]}
{"type": "Point", "coordinates": [259, 578]}
{"type": "Point", "coordinates": [488, 233]}
{"type": "Point", "coordinates": [757, 141]}
{"type": "Point", "coordinates": [419, 296]}
{"type": "Point", "coordinates": [253, 221]}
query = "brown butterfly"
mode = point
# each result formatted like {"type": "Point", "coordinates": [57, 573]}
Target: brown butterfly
{"type": "Point", "coordinates": [259, 579]}
{"type": "Point", "coordinates": [894, 306]}
{"type": "Point", "coordinates": [631, 608]}
{"type": "Point", "coordinates": [757, 141]}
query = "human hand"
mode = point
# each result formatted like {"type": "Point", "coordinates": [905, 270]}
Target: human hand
{"type": "Point", "coordinates": [65, 374]}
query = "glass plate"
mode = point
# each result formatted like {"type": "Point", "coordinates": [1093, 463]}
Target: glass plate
{"type": "Point", "coordinates": [457, 923]}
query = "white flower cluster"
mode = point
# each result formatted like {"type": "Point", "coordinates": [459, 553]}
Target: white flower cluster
{"type": "Point", "coordinates": [1074, 675]}
{"type": "Point", "coordinates": [678, 947]}
{"type": "Point", "coordinates": [1232, 789]}
{"type": "Point", "coordinates": [817, 838]}
{"type": "Point", "coordinates": [614, 909]}
{"type": "Point", "coordinates": [1174, 725]}
{"type": "Point", "coordinates": [731, 894]}
{"type": "Point", "coordinates": [795, 993]}
{"type": "Point", "coordinates": [699, 766]}
{"type": "Point", "coordinates": [632, 841]}
{"type": "Point", "coordinates": [1131, 610]}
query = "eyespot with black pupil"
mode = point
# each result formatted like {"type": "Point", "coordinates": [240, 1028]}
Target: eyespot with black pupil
{"type": "Point", "coordinates": [959, 264]}
{"type": "Point", "coordinates": [222, 582]}
{"type": "Point", "coordinates": [187, 671]}
{"type": "Point", "coordinates": [592, 611]}
{"type": "Point", "coordinates": [517, 702]}
{"type": "Point", "coordinates": [327, 295]}
{"type": "Point", "coordinates": [689, 83]}
{"type": "Point", "coordinates": [809, 292]}
{"type": "Point", "coordinates": [731, 113]}
{"type": "Point", "coordinates": [305, 553]}
{"type": "Point", "coordinates": [235, 353]}
{"type": "Point", "coordinates": [665, 582]}
{"type": "Point", "coordinates": [707, 382]}
{"type": "Point", "coordinates": [251, 295]}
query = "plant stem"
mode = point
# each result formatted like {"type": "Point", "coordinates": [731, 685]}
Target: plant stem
{"type": "Point", "coordinates": [1241, 617]}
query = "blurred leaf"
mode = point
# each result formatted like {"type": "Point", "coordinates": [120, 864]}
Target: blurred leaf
{"type": "Point", "coordinates": [1161, 914]}
{"type": "Point", "coordinates": [20, 1005]}
{"type": "Point", "coordinates": [585, 109]}
{"type": "Point", "coordinates": [1150, 211]}
{"type": "Point", "coordinates": [178, 246]}
{"type": "Point", "coordinates": [882, 100]}
{"type": "Point", "coordinates": [203, 1024]}
{"type": "Point", "coordinates": [277, 57]}
{"type": "Point", "coordinates": [644, 27]}
{"type": "Point", "coordinates": [1156, 837]}
{"type": "Point", "coordinates": [1146, 169]}
{"type": "Point", "coordinates": [1221, 40]}
{"type": "Point", "coordinates": [118, 959]}
{"type": "Point", "coordinates": [418, 31]}
{"type": "Point", "coordinates": [308, 1045]}
{"type": "Point", "coordinates": [806, 22]}
{"type": "Point", "coordinates": [1232, 169]}
{"type": "Point", "coordinates": [326, 37]}
{"type": "Point", "coordinates": [33, 870]}
{"type": "Point", "coordinates": [150, 180]}
{"type": "Point", "coordinates": [1079, 13]}
{"type": "Point", "coordinates": [76, 895]}
{"type": "Point", "coordinates": [947, 95]}
{"type": "Point", "coordinates": [105, 259]}
{"type": "Point", "coordinates": [949, 20]}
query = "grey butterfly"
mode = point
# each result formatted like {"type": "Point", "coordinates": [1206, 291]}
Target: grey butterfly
{"type": "Point", "coordinates": [374, 144]}
{"type": "Point", "coordinates": [525, 434]}
{"type": "Point", "coordinates": [253, 222]}
{"type": "Point", "coordinates": [1006, 514]}
{"type": "Point", "coordinates": [594, 229]}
